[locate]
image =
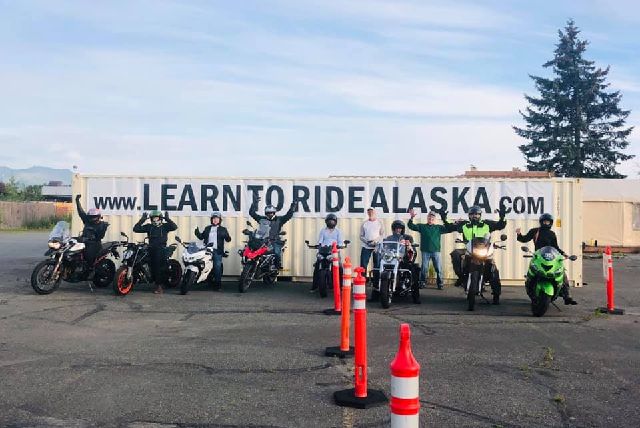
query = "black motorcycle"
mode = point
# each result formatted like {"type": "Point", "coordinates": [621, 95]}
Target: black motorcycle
{"type": "Point", "coordinates": [66, 262]}
{"type": "Point", "coordinates": [397, 273]}
{"type": "Point", "coordinates": [135, 267]}
{"type": "Point", "coordinates": [322, 268]}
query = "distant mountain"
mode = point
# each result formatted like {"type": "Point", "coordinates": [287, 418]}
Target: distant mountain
{"type": "Point", "coordinates": [36, 175]}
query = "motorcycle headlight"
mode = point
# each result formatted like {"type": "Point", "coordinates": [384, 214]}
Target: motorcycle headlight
{"type": "Point", "coordinates": [480, 252]}
{"type": "Point", "coordinates": [548, 256]}
{"type": "Point", "coordinates": [320, 257]}
{"type": "Point", "coordinates": [54, 245]}
{"type": "Point", "coordinates": [128, 254]}
{"type": "Point", "coordinates": [388, 256]}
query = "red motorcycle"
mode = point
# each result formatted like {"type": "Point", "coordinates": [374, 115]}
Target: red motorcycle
{"type": "Point", "coordinates": [258, 258]}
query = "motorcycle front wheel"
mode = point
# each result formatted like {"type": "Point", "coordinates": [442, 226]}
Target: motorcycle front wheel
{"type": "Point", "coordinates": [246, 277]}
{"type": "Point", "coordinates": [41, 277]}
{"type": "Point", "coordinates": [539, 305]}
{"type": "Point", "coordinates": [121, 284]}
{"type": "Point", "coordinates": [324, 278]}
{"type": "Point", "coordinates": [187, 282]}
{"type": "Point", "coordinates": [386, 291]}
{"type": "Point", "coordinates": [474, 287]}
{"type": "Point", "coordinates": [104, 273]}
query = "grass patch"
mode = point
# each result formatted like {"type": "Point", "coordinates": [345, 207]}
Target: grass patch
{"type": "Point", "coordinates": [45, 223]}
{"type": "Point", "coordinates": [548, 357]}
{"type": "Point", "coordinates": [559, 398]}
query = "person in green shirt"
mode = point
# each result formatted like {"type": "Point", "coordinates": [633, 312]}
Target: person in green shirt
{"type": "Point", "coordinates": [430, 240]}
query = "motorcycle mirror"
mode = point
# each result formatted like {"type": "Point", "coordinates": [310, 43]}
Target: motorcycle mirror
{"type": "Point", "coordinates": [525, 248]}
{"type": "Point", "coordinates": [248, 223]}
{"type": "Point", "coordinates": [123, 234]}
{"type": "Point", "coordinates": [178, 239]}
{"type": "Point", "coordinates": [528, 256]}
{"type": "Point", "coordinates": [306, 241]}
{"type": "Point", "coordinates": [459, 241]}
{"type": "Point", "coordinates": [503, 237]}
{"type": "Point", "coordinates": [282, 233]}
{"type": "Point", "coordinates": [573, 258]}
{"type": "Point", "coordinates": [347, 242]}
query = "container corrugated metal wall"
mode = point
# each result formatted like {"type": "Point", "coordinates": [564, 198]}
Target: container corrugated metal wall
{"type": "Point", "coordinates": [298, 259]}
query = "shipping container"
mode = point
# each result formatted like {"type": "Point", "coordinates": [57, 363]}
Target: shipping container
{"type": "Point", "coordinates": [190, 200]}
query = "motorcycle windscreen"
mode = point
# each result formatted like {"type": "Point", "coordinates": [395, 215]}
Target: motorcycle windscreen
{"type": "Point", "coordinates": [479, 247]}
{"type": "Point", "coordinates": [194, 248]}
{"type": "Point", "coordinates": [545, 287]}
{"type": "Point", "coordinates": [549, 253]}
{"type": "Point", "coordinates": [264, 227]}
{"type": "Point", "coordinates": [60, 232]}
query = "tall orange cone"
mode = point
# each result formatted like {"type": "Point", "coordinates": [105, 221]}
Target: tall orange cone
{"type": "Point", "coordinates": [344, 350]}
{"type": "Point", "coordinates": [360, 397]}
{"type": "Point", "coordinates": [405, 381]}
{"type": "Point", "coordinates": [607, 266]}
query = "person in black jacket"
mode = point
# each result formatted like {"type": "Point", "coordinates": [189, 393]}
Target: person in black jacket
{"type": "Point", "coordinates": [276, 224]}
{"type": "Point", "coordinates": [543, 236]}
{"type": "Point", "coordinates": [157, 231]}
{"type": "Point", "coordinates": [92, 233]}
{"type": "Point", "coordinates": [216, 235]}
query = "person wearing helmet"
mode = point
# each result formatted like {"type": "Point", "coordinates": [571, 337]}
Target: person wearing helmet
{"type": "Point", "coordinates": [476, 227]}
{"type": "Point", "coordinates": [93, 231]}
{"type": "Point", "coordinates": [275, 222]}
{"type": "Point", "coordinates": [157, 230]}
{"type": "Point", "coordinates": [397, 234]}
{"type": "Point", "coordinates": [215, 235]}
{"type": "Point", "coordinates": [328, 235]}
{"type": "Point", "coordinates": [543, 236]}
{"type": "Point", "coordinates": [430, 243]}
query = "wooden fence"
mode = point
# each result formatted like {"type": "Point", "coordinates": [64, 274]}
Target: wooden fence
{"type": "Point", "coordinates": [15, 215]}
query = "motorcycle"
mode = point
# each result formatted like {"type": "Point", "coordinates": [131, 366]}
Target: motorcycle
{"type": "Point", "coordinates": [481, 268]}
{"type": "Point", "coordinates": [322, 273]}
{"type": "Point", "coordinates": [198, 264]}
{"type": "Point", "coordinates": [135, 267]}
{"type": "Point", "coordinates": [395, 275]}
{"type": "Point", "coordinates": [545, 277]}
{"type": "Point", "coordinates": [66, 262]}
{"type": "Point", "coordinates": [257, 258]}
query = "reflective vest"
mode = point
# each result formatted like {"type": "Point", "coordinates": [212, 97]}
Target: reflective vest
{"type": "Point", "coordinates": [474, 231]}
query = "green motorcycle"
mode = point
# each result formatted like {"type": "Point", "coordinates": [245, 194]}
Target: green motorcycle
{"type": "Point", "coordinates": [545, 277]}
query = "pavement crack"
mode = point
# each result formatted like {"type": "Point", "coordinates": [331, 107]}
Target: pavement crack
{"type": "Point", "coordinates": [477, 416]}
{"type": "Point", "coordinates": [99, 308]}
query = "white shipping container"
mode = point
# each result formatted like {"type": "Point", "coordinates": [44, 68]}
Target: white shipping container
{"type": "Point", "coordinates": [190, 201]}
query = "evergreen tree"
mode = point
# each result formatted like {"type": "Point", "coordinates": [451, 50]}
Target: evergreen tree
{"type": "Point", "coordinates": [575, 127]}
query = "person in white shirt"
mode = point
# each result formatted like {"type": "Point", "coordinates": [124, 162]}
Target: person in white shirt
{"type": "Point", "coordinates": [371, 233]}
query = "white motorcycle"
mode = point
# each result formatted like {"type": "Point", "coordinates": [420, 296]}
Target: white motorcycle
{"type": "Point", "coordinates": [198, 264]}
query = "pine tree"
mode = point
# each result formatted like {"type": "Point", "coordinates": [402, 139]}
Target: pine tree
{"type": "Point", "coordinates": [575, 127]}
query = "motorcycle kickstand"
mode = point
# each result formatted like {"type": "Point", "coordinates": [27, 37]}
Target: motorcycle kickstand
{"type": "Point", "coordinates": [557, 307]}
{"type": "Point", "coordinates": [485, 299]}
{"type": "Point", "coordinates": [90, 286]}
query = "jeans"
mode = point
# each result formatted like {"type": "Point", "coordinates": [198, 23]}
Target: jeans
{"type": "Point", "coordinates": [277, 250]}
{"type": "Point", "coordinates": [365, 255]}
{"type": "Point", "coordinates": [217, 269]}
{"type": "Point", "coordinates": [437, 266]}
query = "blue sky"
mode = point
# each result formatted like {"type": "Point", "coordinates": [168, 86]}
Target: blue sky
{"type": "Point", "coordinates": [288, 87]}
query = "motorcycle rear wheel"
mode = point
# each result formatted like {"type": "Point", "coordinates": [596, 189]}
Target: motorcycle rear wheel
{"type": "Point", "coordinates": [246, 277]}
{"type": "Point", "coordinates": [174, 273]}
{"type": "Point", "coordinates": [104, 273]}
{"type": "Point", "coordinates": [41, 276]}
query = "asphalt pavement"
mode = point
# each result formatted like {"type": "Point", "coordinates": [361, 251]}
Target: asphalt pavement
{"type": "Point", "coordinates": [78, 358]}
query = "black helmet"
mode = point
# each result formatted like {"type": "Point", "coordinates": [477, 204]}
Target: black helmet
{"type": "Point", "coordinates": [397, 224]}
{"type": "Point", "coordinates": [546, 217]}
{"type": "Point", "coordinates": [329, 218]}
{"type": "Point", "coordinates": [216, 214]}
{"type": "Point", "coordinates": [475, 213]}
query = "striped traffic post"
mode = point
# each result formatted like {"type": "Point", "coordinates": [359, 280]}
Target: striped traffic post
{"type": "Point", "coordinates": [607, 267]}
{"type": "Point", "coordinates": [360, 397]}
{"type": "Point", "coordinates": [405, 381]}
{"type": "Point", "coordinates": [335, 270]}
{"type": "Point", "coordinates": [344, 350]}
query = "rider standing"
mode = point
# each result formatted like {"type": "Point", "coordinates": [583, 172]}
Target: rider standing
{"type": "Point", "coordinates": [216, 235]}
{"type": "Point", "coordinates": [92, 233]}
{"type": "Point", "coordinates": [543, 236]}
{"type": "Point", "coordinates": [157, 231]}
{"type": "Point", "coordinates": [275, 224]}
